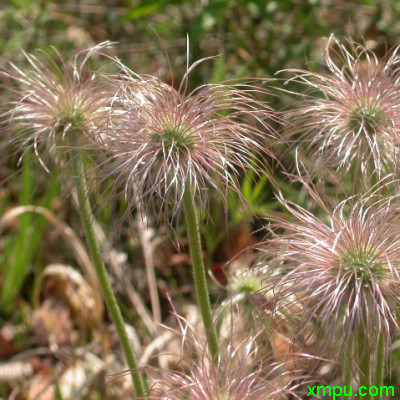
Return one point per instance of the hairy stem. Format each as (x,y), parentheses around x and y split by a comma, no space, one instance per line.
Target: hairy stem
(364,360)
(347,372)
(111,301)
(199,274)
(380,365)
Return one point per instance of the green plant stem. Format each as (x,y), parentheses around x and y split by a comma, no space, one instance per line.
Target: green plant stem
(347,372)
(111,301)
(380,365)
(199,274)
(364,359)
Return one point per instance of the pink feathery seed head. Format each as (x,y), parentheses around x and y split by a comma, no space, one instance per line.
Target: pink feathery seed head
(345,272)
(354,123)
(161,140)
(56,101)
(239,374)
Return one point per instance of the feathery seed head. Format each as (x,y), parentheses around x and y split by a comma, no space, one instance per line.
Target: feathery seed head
(246,280)
(245,283)
(346,274)
(161,139)
(239,374)
(355,122)
(55,99)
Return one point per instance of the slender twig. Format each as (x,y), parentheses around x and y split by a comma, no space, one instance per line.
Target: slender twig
(147,248)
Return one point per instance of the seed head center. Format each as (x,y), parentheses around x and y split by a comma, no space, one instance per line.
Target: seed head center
(362,266)
(71,113)
(246,283)
(179,137)
(368,116)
